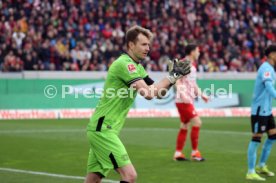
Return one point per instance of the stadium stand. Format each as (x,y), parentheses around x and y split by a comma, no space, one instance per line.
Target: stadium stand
(87,35)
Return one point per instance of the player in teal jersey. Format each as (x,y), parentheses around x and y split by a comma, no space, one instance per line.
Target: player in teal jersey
(262,120)
(126,77)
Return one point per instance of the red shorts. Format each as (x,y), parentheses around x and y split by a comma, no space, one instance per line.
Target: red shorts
(186,112)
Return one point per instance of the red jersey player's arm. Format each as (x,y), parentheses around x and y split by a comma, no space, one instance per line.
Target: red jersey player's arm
(197,90)
(199,93)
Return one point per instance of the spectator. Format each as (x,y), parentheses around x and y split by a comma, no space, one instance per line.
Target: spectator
(18,38)
(86,35)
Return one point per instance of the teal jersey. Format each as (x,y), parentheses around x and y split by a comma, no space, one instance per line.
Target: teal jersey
(264,91)
(117,97)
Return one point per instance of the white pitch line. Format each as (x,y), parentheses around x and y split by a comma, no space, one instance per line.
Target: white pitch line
(124,130)
(41,131)
(174,130)
(51,174)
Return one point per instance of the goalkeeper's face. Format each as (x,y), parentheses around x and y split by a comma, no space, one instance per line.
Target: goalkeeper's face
(141,47)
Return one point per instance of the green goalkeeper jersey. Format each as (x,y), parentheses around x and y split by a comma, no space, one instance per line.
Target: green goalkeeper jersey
(117,97)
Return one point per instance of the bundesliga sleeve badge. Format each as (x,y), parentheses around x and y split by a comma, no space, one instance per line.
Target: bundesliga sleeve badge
(267,74)
(131,68)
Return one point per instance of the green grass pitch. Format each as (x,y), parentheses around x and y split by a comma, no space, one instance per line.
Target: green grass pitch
(61,147)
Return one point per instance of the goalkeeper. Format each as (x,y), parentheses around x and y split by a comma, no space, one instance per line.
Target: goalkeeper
(126,77)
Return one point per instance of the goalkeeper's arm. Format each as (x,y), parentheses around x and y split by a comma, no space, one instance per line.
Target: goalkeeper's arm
(177,70)
(155,90)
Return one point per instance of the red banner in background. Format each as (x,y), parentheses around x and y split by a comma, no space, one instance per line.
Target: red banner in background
(133,113)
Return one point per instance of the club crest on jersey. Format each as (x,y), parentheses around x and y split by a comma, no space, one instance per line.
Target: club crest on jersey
(267,74)
(263,128)
(131,68)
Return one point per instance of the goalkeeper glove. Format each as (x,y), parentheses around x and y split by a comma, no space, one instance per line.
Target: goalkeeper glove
(178,69)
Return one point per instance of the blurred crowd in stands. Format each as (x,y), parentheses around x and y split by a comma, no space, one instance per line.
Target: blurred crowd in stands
(87,35)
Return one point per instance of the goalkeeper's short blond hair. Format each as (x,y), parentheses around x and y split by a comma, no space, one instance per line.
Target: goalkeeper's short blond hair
(133,32)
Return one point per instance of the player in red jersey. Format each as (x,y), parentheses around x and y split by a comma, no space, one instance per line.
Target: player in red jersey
(186,91)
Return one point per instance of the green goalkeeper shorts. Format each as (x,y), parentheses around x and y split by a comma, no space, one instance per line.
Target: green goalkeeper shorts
(107,152)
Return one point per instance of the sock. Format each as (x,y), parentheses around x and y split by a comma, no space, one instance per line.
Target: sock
(194,137)
(252,155)
(266,151)
(181,139)
(123,181)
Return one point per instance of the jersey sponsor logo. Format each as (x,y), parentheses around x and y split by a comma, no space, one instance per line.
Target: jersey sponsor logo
(131,68)
(267,74)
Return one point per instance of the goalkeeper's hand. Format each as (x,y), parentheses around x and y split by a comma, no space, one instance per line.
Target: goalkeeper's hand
(178,69)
